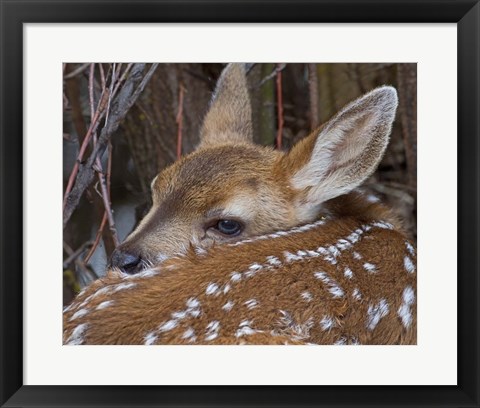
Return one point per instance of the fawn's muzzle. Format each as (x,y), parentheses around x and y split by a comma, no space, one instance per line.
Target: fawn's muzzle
(126,262)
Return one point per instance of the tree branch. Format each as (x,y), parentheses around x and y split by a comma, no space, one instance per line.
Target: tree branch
(128,94)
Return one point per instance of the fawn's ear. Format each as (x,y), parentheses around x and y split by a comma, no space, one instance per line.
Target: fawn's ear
(229,118)
(344,152)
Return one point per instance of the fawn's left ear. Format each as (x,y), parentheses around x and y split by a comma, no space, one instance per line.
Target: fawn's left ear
(229,118)
(346,150)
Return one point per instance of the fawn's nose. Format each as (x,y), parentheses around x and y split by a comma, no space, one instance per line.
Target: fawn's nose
(125,261)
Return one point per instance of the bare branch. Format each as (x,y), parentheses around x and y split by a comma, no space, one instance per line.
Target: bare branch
(313,93)
(279,68)
(127,95)
(77,71)
(179,120)
(279,106)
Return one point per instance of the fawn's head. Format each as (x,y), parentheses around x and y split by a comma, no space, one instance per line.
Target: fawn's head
(230,189)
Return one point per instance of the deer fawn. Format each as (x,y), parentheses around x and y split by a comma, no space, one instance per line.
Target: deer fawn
(248,245)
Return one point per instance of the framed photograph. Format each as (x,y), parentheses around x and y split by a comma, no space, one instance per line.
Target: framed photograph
(244,187)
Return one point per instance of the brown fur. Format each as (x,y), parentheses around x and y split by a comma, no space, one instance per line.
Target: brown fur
(281,310)
(308,291)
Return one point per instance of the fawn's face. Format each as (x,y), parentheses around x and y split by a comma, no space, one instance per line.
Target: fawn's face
(217,194)
(231,189)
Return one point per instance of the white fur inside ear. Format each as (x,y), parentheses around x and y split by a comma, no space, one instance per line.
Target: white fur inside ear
(349,147)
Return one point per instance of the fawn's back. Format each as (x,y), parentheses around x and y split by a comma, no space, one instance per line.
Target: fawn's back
(330,282)
(260,246)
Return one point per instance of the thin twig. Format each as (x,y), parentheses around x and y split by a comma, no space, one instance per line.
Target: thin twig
(279,108)
(179,121)
(97,238)
(108,207)
(98,165)
(73,255)
(91,130)
(77,71)
(102,76)
(105,217)
(278,69)
(313,93)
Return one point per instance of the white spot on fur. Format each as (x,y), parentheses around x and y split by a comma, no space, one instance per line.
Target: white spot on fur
(343,244)
(410,248)
(353,237)
(101,291)
(212,330)
(356,294)
(245,329)
(167,326)
(150,339)
(342,341)
(148,273)
(253,269)
(251,303)
(334,251)
(375,313)
(297,330)
(226,288)
(404,311)
(409,266)
(212,288)
(68,308)
(124,286)
(348,273)
(193,303)
(189,334)
(279,234)
(273,260)
(327,323)
(228,306)
(79,313)
(331,285)
(180,315)
(326,255)
(307,296)
(77,336)
(357,256)
(370,267)
(236,277)
(289,257)
(105,304)
(193,307)
(382,224)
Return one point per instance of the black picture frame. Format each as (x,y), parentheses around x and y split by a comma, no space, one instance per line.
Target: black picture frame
(14,13)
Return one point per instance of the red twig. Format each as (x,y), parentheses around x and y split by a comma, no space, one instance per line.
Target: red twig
(97,238)
(279,109)
(105,216)
(91,130)
(313,93)
(179,121)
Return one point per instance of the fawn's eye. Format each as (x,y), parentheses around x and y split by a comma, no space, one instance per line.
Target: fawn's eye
(228,227)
